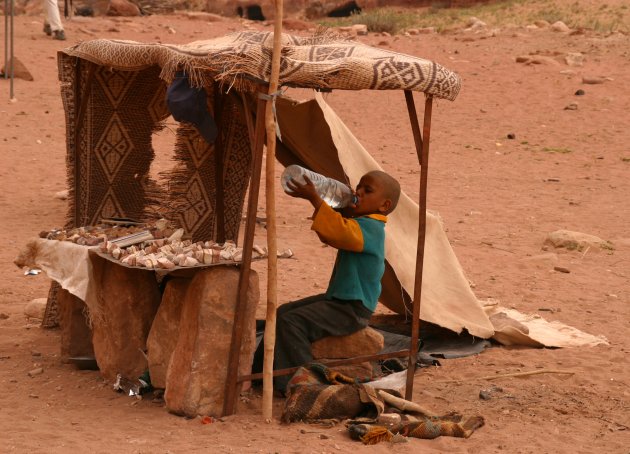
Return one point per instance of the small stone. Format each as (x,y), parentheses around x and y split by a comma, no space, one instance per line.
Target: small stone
(511,136)
(594,80)
(560,26)
(561,269)
(35,353)
(580,92)
(571,106)
(541,23)
(36,308)
(58,388)
(484,395)
(33,396)
(413,31)
(360,29)
(19,71)
(3,316)
(62,195)
(544,60)
(324,437)
(574,59)
(36,371)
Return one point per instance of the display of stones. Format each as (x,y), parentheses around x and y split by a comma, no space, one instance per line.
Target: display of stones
(168,253)
(109,230)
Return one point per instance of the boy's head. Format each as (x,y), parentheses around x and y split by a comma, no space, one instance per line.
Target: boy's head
(378,193)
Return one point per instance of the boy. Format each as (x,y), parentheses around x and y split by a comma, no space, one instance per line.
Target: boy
(355,284)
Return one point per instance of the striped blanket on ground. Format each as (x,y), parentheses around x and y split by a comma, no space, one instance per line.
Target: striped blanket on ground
(318,394)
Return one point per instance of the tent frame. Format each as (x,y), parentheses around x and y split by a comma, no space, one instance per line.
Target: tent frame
(421,141)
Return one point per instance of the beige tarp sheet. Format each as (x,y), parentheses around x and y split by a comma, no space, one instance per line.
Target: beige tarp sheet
(314,135)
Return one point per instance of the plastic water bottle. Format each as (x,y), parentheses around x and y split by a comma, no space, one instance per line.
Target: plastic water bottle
(333,192)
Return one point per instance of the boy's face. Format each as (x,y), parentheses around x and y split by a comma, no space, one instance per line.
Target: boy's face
(371,194)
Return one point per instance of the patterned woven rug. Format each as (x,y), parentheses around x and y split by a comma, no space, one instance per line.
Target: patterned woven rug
(243,60)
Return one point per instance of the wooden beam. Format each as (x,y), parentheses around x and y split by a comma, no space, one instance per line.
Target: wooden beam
(330,363)
(231,383)
(422,149)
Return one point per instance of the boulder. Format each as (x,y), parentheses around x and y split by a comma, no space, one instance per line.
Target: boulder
(575,240)
(129,299)
(36,308)
(76,334)
(122,8)
(165,330)
(197,372)
(364,342)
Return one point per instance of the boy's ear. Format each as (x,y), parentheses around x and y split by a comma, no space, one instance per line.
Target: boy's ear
(385,206)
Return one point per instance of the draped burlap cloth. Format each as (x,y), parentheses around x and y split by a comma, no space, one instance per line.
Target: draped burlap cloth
(313,135)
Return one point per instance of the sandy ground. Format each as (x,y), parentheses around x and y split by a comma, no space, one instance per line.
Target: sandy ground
(498,199)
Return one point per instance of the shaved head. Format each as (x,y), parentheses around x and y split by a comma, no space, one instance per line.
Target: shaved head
(391,187)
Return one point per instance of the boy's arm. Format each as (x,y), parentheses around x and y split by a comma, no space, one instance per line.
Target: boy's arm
(331,227)
(337,231)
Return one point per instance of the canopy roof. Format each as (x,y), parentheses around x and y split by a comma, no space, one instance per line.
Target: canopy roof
(243,59)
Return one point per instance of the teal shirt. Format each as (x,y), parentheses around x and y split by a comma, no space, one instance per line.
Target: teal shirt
(360,260)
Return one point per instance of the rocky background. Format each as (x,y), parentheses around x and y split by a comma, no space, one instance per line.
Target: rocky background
(249,9)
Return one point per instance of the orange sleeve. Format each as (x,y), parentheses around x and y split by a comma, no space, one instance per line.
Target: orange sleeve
(337,231)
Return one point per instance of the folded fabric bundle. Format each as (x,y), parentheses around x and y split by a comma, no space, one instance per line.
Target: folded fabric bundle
(317,393)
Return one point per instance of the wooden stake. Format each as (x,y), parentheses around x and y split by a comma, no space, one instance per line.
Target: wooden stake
(272,260)
(422,149)
(404,405)
(229,400)
(514,375)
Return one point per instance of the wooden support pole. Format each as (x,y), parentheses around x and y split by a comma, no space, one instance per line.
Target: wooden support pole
(422,149)
(229,400)
(219,166)
(272,259)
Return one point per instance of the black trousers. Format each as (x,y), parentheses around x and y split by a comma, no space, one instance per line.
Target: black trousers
(302,322)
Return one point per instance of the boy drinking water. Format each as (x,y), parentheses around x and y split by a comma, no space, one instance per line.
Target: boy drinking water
(355,284)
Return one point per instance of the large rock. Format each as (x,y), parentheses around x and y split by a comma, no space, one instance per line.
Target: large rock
(575,240)
(364,342)
(165,330)
(76,334)
(129,299)
(196,377)
(122,8)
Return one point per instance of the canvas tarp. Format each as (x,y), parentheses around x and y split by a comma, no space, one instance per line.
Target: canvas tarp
(312,134)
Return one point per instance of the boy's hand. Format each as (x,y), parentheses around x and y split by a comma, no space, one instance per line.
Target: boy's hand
(305,191)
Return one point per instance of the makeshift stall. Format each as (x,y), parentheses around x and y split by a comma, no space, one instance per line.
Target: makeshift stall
(114,98)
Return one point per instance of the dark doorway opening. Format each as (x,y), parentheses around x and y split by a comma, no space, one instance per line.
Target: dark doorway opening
(345,10)
(251,12)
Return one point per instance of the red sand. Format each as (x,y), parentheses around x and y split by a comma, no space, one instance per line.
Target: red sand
(498,199)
